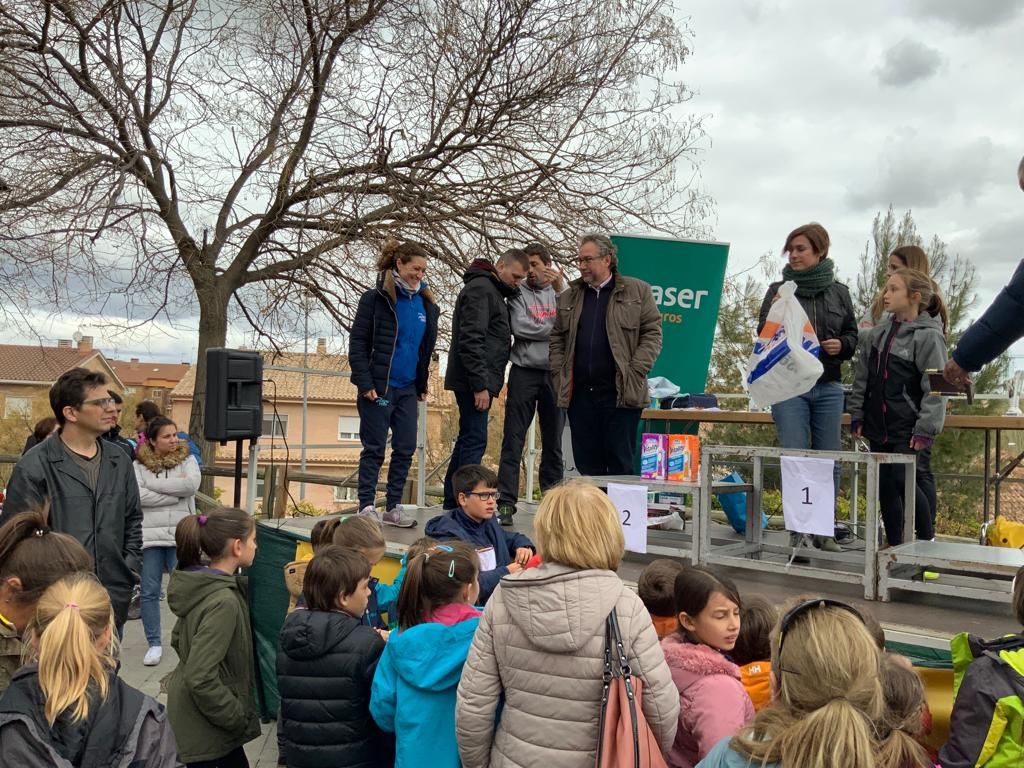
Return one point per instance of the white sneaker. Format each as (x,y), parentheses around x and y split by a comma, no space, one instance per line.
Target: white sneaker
(370,512)
(153,656)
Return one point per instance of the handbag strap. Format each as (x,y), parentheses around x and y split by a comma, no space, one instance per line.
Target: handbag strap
(606,678)
(627,676)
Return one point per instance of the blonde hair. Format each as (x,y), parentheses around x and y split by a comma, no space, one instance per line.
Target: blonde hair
(900,729)
(916,281)
(577,525)
(359,532)
(828,695)
(913,257)
(70,620)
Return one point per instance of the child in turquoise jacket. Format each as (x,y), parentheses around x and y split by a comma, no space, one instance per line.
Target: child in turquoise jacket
(416,680)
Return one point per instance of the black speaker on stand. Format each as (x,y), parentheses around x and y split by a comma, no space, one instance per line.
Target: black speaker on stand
(234,402)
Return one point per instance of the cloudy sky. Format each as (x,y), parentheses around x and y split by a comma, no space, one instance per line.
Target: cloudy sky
(832,111)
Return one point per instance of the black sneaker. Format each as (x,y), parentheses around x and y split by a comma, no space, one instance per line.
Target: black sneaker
(505,512)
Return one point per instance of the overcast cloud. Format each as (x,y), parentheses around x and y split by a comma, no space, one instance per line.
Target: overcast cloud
(832,111)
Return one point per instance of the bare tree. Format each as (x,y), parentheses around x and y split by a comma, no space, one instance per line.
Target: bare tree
(171,157)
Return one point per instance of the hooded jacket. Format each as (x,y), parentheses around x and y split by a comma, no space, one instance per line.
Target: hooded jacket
(712,701)
(107,522)
(831,314)
(11,649)
(538,658)
(532,314)
(986,727)
(456,524)
(633,325)
(414,691)
(167,490)
(211,697)
(325,668)
(374,337)
(723,756)
(1000,326)
(481,333)
(125,730)
(890,396)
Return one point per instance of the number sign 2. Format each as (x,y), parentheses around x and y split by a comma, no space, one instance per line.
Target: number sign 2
(631,503)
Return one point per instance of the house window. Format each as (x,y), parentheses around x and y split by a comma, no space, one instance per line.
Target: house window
(348,427)
(345,494)
(17,406)
(275,425)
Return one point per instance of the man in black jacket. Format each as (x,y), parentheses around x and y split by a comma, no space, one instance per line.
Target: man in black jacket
(481,344)
(90,484)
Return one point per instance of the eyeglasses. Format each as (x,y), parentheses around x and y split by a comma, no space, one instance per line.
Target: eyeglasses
(797,611)
(102,402)
(485,496)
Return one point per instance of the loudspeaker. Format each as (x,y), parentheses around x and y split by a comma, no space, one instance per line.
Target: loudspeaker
(234,395)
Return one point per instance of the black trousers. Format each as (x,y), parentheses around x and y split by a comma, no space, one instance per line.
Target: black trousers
(399,415)
(603,436)
(890,494)
(529,392)
(234,759)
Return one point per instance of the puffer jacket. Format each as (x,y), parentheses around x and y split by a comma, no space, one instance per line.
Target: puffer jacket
(633,324)
(375,334)
(831,314)
(167,490)
(325,667)
(891,391)
(481,332)
(540,648)
(713,703)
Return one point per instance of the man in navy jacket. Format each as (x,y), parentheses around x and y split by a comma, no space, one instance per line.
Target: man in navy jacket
(501,552)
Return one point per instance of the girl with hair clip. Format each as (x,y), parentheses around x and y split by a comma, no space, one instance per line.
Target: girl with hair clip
(826,700)
(168,477)
(68,707)
(414,688)
(32,557)
(210,695)
(712,700)
(891,403)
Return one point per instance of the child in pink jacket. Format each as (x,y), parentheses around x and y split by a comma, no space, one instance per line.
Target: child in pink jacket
(713,703)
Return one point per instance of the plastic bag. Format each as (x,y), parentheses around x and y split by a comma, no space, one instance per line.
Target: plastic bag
(784,363)
(660,387)
(735,505)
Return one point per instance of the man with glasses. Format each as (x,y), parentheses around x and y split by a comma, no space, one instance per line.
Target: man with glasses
(89,484)
(481,343)
(606,339)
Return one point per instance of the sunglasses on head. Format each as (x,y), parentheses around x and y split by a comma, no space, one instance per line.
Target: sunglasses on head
(803,608)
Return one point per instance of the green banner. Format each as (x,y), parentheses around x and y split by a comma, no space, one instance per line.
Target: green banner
(686,277)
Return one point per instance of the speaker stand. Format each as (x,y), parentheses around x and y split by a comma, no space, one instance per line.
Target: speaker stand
(238,474)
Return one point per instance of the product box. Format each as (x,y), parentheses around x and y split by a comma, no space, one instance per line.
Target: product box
(683,458)
(653,452)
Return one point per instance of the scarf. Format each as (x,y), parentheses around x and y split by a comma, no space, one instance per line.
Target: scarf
(407,289)
(813,281)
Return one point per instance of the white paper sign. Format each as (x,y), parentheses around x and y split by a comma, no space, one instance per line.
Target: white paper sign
(808,495)
(631,502)
(488,561)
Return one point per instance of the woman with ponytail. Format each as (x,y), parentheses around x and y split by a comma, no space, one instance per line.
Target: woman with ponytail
(827,696)
(415,684)
(32,557)
(210,696)
(390,348)
(68,707)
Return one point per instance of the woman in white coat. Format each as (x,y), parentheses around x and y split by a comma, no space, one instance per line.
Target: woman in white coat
(168,478)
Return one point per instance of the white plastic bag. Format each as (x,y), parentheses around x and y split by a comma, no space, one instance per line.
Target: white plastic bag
(659,387)
(784,362)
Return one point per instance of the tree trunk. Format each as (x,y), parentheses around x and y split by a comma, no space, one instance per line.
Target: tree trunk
(213,332)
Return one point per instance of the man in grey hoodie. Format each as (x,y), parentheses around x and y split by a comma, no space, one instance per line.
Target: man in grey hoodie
(532,314)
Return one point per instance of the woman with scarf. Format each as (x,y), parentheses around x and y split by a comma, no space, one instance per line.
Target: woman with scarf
(814,419)
(168,476)
(390,347)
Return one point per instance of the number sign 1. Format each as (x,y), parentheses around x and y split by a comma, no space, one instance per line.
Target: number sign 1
(631,502)
(808,495)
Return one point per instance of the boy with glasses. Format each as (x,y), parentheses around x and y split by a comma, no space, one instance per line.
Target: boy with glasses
(501,552)
(91,489)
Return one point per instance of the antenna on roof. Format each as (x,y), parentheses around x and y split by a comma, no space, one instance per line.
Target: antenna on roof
(77,336)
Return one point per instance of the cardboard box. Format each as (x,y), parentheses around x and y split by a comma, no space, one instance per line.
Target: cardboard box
(653,454)
(683,458)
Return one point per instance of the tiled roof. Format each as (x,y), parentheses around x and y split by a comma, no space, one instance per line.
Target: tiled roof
(137,373)
(287,385)
(22,362)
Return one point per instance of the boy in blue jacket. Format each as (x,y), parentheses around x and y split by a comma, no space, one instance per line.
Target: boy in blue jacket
(501,552)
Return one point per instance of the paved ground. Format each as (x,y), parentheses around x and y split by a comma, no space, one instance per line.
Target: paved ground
(262,752)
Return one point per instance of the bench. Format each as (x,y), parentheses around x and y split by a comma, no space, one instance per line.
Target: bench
(965,570)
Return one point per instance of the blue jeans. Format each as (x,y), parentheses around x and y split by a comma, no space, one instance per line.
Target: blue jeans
(155,561)
(812,421)
(400,416)
(469,445)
